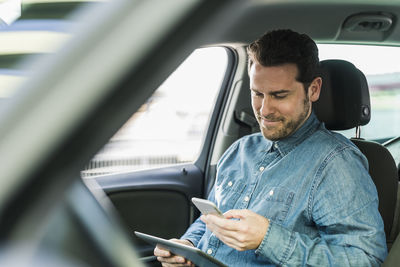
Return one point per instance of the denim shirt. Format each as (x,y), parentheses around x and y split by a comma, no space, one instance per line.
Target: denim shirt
(315,189)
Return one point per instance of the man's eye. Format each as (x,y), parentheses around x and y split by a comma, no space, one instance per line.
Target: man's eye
(258,94)
(280,96)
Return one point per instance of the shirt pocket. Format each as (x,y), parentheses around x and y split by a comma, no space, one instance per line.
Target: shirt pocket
(227,192)
(275,203)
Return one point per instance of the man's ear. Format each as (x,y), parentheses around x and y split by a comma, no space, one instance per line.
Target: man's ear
(315,89)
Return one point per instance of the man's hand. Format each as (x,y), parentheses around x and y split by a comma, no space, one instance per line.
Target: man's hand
(168,259)
(243,234)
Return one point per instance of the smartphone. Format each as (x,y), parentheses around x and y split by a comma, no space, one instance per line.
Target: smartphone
(206,206)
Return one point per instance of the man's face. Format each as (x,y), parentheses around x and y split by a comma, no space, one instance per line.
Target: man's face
(279,101)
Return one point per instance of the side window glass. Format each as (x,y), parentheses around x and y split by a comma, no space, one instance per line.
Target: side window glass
(169,128)
(381,68)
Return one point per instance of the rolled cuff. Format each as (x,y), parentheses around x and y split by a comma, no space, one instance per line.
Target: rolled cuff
(277,244)
(194,239)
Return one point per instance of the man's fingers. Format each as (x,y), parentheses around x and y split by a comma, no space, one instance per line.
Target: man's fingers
(172,259)
(233,229)
(240,229)
(160,252)
(237,214)
(218,231)
(230,241)
(235,238)
(224,227)
(168,259)
(177,265)
(165,264)
(230,225)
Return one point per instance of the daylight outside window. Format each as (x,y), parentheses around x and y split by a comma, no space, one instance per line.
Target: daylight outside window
(380,64)
(169,128)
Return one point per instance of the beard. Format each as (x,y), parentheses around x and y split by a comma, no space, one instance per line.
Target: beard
(287,126)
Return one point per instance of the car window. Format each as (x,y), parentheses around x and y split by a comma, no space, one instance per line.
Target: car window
(380,64)
(169,128)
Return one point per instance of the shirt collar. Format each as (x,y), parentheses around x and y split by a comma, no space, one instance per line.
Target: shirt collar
(287,144)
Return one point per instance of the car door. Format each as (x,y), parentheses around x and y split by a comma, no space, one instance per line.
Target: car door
(165,153)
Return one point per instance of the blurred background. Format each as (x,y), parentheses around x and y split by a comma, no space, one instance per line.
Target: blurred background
(170,126)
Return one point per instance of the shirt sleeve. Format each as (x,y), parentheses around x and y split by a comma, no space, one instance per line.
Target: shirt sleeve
(343,204)
(196,231)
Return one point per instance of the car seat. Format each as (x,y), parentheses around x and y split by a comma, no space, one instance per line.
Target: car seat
(344,103)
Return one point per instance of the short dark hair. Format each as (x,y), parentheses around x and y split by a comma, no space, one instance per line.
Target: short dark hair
(280,47)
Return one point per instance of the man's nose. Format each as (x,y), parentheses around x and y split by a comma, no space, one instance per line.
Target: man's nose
(267,107)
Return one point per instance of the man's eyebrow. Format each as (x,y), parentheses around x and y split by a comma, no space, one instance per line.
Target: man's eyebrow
(283,91)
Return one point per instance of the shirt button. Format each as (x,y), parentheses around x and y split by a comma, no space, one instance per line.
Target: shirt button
(276,145)
(261,169)
(230,183)
(246,198)
(271,192)
(209,251)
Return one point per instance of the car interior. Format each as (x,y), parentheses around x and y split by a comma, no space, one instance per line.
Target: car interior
(344,103)
(120,52)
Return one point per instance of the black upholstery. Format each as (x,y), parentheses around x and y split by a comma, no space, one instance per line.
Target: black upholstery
(382,168)
(344,100)
(344,104)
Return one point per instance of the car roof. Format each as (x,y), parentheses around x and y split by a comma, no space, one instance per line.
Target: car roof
(324,21)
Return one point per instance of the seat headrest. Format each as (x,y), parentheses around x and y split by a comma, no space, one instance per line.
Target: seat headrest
(344,100)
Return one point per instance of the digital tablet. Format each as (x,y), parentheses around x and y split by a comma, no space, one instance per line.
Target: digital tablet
(195,255)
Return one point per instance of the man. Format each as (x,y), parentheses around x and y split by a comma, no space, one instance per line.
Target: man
(295,194)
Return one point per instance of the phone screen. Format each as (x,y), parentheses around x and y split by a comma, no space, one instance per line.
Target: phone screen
(206,206)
